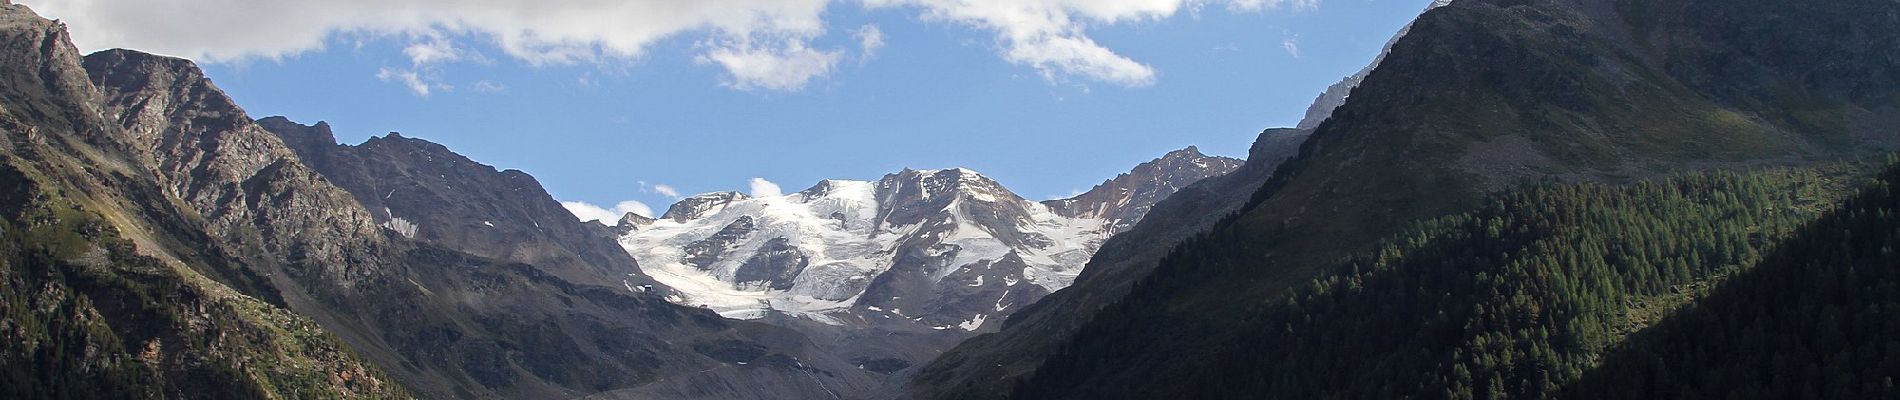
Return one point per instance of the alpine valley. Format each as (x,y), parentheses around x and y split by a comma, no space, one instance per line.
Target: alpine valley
(1517,199)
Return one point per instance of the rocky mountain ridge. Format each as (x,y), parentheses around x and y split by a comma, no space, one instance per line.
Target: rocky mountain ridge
(428,193)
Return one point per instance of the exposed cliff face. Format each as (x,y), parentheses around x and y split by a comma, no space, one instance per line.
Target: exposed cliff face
(255,194)
(437,196)
(700,205)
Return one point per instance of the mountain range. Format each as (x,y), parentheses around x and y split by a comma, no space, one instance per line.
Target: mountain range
(1517,199)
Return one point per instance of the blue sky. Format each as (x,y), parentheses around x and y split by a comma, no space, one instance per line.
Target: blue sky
(948,86)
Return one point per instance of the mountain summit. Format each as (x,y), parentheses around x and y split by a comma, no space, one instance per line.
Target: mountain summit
(1122,201)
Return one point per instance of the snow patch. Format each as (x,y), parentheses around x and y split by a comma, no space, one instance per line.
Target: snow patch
(973,323)
(401,226)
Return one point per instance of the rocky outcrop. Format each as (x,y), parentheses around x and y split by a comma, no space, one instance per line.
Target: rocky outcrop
(700,205)
(776,265)
(631,222)
(252,190)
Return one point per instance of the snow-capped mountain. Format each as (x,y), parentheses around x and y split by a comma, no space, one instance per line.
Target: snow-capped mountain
(943,249)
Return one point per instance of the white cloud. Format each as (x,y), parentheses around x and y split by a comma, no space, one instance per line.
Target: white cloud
(1291,43)
(870,40)
(410,78)
(666,190)
(1051,35)
(761,44)
(589,212)
(765,188)
(1048,35)
(433,48)
(784,66)
(1257,5)
(485,86)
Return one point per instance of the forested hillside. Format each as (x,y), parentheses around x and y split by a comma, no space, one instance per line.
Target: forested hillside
(1509,301)
(1816,319)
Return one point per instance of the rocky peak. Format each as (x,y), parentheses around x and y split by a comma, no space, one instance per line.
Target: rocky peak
(632,222)
(311,143)
(701,205)
(43,75)
(204,150)
(941,183)
(913,196)
(1122,201)
(824,188)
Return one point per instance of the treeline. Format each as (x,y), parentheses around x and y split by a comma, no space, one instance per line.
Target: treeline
(1512,300)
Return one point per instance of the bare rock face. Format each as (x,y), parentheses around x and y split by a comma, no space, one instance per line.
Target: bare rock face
(700,205)
(631,222)
(776,265)
(205,151)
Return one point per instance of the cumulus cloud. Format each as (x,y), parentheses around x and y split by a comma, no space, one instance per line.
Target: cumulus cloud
(761,44)
(784,66)
(589,212)
(765,188)
(1051,35)
(1048,35)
